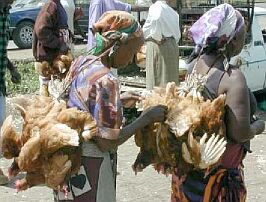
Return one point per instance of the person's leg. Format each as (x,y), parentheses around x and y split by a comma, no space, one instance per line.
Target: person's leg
(44,82)
(2,109)
(94,181)
(168,70)
(151,58)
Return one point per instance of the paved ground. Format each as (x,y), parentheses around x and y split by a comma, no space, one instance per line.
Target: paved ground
(14,53)
(147,186)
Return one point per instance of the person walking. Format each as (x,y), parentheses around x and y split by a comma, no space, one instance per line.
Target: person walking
(162,34)
(50,38)
(5,64)
(219,35)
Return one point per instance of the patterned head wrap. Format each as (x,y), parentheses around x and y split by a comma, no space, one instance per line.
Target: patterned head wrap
(117,29)
(221,21)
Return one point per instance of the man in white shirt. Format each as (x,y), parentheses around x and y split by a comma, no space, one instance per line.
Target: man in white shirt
(162,34)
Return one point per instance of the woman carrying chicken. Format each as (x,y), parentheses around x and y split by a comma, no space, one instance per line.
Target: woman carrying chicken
(95,89)
(219,35)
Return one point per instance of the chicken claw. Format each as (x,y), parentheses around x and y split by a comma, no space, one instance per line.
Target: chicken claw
(138,168)
(20,185)
(203,154)
(65,189)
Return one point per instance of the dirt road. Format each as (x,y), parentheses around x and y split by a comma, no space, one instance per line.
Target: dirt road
(149,186)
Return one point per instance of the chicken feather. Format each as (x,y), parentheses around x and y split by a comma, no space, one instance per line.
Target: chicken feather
(51,141)
(10,143)
(55,137)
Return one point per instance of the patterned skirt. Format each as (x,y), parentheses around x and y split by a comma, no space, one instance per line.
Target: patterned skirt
(95,181)
(222,185)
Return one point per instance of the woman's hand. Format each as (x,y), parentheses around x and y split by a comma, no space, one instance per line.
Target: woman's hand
(64,48)
(78,14)
(151,115)
(154,114)
(259,125)
(129,99)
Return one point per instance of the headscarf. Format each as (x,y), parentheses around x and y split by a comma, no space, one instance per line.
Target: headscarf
(220,21)
(117,28)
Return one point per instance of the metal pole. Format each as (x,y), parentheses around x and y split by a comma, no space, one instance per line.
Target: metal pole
(139,16)
(179,11)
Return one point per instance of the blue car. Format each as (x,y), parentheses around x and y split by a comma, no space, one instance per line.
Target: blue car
(23,15)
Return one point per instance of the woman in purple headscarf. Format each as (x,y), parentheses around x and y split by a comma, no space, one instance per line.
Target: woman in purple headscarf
(219,35)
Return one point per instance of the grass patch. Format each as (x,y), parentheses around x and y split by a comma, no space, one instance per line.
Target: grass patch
(29,79)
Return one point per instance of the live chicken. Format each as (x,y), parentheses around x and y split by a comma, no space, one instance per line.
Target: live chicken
(192,135)
(58,68)
(10,142)
(48,148)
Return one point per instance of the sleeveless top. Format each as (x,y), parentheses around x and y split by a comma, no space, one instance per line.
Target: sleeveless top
(234,152)
(212,85)
(223,183)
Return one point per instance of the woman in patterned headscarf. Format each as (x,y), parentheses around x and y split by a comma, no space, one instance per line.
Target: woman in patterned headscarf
(219,35)
(95,89)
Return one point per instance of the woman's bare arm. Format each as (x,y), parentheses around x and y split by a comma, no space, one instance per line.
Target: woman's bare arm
(151,115)
(237,116)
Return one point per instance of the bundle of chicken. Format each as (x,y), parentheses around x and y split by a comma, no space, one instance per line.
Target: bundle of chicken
(192,137)
(58,68)
(49,146)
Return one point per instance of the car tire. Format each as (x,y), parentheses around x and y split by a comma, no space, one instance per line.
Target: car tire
(22,35)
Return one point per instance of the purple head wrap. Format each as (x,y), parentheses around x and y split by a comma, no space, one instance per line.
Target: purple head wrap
(222,20)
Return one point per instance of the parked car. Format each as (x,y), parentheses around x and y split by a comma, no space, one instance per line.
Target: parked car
(23,15)
(252,59)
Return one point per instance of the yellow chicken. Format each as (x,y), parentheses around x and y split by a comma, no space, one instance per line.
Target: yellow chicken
(59,67)
(10,141)
(49,146)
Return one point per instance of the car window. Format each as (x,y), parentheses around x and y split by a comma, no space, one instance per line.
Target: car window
(262,23)
(82,1)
